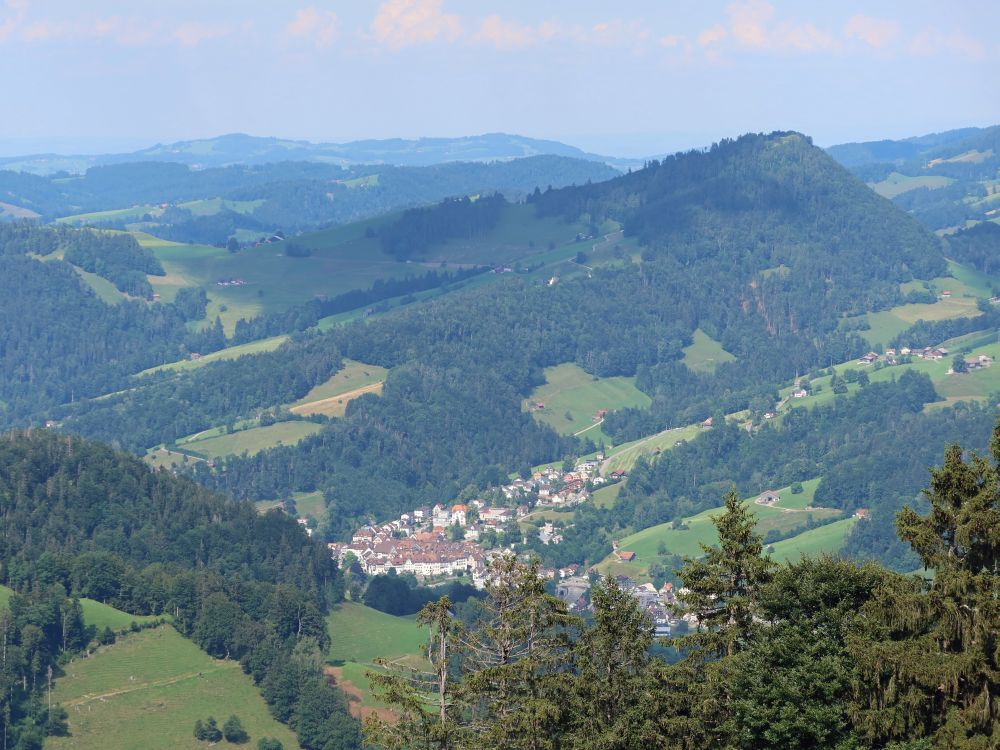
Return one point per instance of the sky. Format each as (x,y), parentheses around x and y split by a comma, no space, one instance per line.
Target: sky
(627,78)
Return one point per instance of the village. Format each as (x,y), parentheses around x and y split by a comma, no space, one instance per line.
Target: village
(459,540)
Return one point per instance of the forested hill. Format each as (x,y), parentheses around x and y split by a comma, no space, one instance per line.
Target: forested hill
(62,340)
(169,199)
(764,243)
(81,520)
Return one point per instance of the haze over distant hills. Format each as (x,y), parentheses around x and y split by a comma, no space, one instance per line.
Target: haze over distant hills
(949,180)
(239,148)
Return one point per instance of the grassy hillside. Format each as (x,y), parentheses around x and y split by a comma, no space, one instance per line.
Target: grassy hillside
(358,636)
(829,538)
(569,390)
(786,515)
(252,440)
(362,634)
(973,386)
(146,691)
(705,353)
(232,352)
(102,615)
(897,184)
(350,257)
(331,398)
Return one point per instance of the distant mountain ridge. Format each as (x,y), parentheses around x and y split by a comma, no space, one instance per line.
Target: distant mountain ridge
(886,150)
(947,180)
(240,148)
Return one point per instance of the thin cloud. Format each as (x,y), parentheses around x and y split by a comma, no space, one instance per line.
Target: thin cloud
(711,36)
(503,34)
(12,17)
(935,42)
(875,32)
(402,23)
(747,22)
(751,27)
(321,26)
(193,33)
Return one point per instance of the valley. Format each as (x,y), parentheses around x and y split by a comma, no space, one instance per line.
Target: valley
(573,385)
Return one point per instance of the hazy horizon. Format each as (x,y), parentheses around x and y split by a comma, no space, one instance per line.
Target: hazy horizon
(629,81)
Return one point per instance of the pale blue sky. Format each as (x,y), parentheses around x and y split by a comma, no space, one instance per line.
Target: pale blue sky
(630,78)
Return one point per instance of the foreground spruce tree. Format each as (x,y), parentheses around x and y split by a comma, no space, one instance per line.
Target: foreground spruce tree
(722,586)
(929,662)
(613,705)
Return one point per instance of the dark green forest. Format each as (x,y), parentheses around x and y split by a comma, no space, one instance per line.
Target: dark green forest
(61,343)
(81,520)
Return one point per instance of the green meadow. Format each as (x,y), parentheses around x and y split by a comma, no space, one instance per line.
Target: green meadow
(686,542)
(133,213)
(571,399)
(146,691)
(232,352)
(897,184)
(102,615)
(332,396)
(251,441)
(624,456)
(705,353)
(818,541)
(360,635)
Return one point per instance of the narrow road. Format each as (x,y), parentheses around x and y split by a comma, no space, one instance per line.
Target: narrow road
(145,685)
(596,424)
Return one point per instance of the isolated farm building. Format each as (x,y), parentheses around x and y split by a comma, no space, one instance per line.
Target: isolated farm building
(626,556)
(767,498)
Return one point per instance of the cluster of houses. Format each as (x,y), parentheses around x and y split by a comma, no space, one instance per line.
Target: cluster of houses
(423,541)
(554,487)
(426,554)
(445,540)
(230,282)
(933,353)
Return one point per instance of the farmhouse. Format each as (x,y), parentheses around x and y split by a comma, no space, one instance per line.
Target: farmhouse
(767,498)
(626,556)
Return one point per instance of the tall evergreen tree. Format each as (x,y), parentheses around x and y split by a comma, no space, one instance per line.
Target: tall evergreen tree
(723,586)
(612,705)
(421,721)
(930,664)
(514,662)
